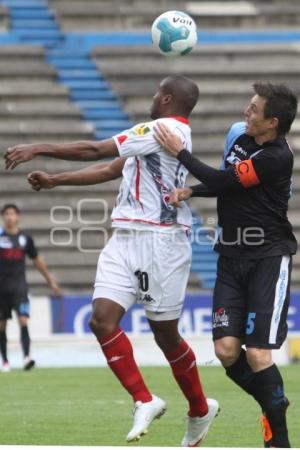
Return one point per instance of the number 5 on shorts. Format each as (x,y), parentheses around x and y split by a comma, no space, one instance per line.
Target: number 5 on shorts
(250,323)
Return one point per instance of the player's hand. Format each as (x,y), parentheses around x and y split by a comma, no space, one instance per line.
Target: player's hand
(56,289)
(167,139)
(179,195)
(40,180)
(19,154)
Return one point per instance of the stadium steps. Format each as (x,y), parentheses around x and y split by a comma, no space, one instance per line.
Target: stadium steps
(4,22)
(32,104)
(89,90)
(204,259)
(33,22)
(94,15)
(77,73)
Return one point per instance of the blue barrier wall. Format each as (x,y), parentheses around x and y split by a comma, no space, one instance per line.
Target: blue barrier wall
(71,315)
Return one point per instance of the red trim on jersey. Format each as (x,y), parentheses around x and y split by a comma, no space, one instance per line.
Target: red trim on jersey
(137,182)
(137,179)
(149,222)
(180,119)
(122,138)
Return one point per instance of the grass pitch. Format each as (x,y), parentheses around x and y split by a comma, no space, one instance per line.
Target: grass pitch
(89,407)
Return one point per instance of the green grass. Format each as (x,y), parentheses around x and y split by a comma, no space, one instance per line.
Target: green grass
(89,407)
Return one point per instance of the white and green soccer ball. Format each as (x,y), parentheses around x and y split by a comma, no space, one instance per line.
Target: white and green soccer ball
(174,33)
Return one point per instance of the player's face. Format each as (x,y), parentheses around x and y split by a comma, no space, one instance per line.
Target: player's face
(10,218)
(256,123)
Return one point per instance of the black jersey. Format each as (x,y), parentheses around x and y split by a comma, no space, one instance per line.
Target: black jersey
(253,189)
(13,250)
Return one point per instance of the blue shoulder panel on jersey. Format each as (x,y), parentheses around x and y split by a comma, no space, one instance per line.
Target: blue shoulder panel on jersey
(235,131)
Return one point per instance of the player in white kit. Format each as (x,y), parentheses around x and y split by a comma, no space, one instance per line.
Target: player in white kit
(148,258)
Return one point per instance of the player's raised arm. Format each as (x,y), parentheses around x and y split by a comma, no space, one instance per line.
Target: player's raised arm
(98,173)
(74,151)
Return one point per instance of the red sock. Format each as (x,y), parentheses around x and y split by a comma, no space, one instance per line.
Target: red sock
(119,354)
(184,367)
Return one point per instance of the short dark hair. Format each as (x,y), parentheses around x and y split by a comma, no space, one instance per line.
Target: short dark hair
(184,91)
(281,102)
(10,206)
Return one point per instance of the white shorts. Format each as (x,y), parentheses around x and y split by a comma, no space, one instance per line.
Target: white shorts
(145,267)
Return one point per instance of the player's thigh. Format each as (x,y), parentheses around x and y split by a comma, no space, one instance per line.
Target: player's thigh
(114,280)
(229,301)
(3,324)
(165,262)
(268,302)
(6,306)
(22,306)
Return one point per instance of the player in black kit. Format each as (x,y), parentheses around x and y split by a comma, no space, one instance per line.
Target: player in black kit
(15,245)
(256,244)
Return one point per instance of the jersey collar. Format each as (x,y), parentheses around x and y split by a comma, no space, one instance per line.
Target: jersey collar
(180,119)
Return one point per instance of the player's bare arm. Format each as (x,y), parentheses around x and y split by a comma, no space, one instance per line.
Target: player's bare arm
(43,269)
(74,151)
(97,173)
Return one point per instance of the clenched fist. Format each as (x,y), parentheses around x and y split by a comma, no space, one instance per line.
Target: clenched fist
(40,180)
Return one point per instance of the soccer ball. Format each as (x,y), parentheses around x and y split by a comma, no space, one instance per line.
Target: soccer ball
(174,33)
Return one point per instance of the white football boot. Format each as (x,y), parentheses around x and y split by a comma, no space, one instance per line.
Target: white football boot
(143,416)
(197,427)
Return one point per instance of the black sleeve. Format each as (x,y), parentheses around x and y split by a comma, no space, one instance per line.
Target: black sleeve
(31,249)
(216,180)
(271,163)
(201,190)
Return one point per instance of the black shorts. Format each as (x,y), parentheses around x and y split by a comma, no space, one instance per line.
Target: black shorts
(16,301)
(251,300)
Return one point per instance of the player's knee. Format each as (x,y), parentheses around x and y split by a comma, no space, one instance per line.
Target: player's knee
(225,352)
(259,358)
(167,342)
(100,326)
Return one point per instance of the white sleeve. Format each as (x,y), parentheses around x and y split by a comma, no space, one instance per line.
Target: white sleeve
(137,141)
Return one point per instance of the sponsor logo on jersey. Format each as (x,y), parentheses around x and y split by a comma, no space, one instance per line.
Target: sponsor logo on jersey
(22,241)
(220,318)
(233,158)
(141,130)
(239,149)
(5,242)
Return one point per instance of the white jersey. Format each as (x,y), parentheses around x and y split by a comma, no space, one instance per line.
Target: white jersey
(149,176)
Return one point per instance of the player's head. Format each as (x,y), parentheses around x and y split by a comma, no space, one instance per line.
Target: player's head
(177,95)
(272,110)
(11,215)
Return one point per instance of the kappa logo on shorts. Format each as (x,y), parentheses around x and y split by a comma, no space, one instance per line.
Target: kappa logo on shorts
(220,318)
(146,299)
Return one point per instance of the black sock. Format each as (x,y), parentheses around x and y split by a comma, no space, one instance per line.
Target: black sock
(241,373)
(266,387)
(25,340)
(268,390)
(3,345)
